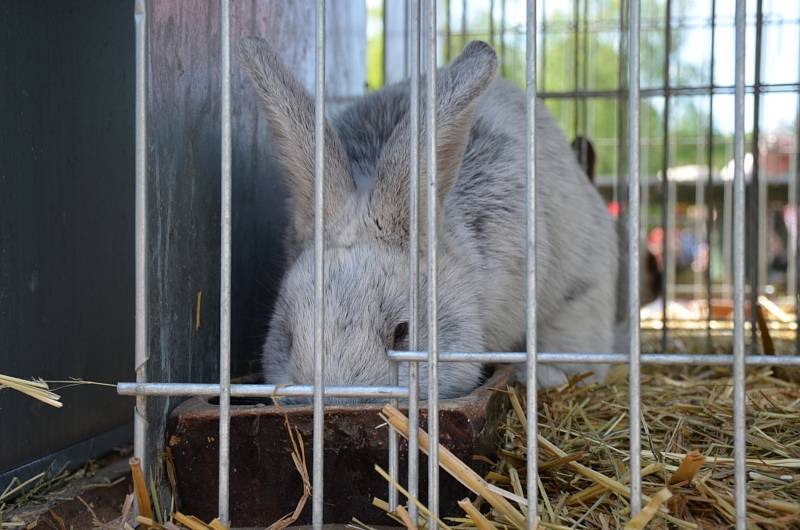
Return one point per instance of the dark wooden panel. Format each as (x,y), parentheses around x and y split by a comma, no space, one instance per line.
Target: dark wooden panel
(184,177)
(66,198)
(66,219)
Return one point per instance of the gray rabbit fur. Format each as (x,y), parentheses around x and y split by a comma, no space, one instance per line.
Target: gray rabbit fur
(481,230)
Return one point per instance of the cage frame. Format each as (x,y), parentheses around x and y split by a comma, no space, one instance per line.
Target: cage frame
(423,52)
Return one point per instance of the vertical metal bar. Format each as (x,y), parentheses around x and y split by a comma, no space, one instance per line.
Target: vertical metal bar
(791,199)
(433,325)
(644,187)
(739,369)
(140,340)
(394,449)
(413,265)
(503,38)
(727,234)
(385,47)
(544,46)
(406,43)
(796,204)
(585,71)
(464,32)
(448,27)
(761,250)
(225,265)
(385,39)
(698,279)
(710,184)
(530,336)
(665,250)
(491,22)
(622,79)
(575,63)
(753,228)
(634,394)
(671,263)
(394,452)
(319,271)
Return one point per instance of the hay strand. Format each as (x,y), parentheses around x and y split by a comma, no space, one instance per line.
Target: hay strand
(36,388)
(189,521)
(688,469)
(422,508)
(140,490)
(299,460)
(478,519)
(649,511)
(458,469)
(405,518)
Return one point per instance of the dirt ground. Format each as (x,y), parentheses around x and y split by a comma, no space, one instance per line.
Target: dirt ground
(76,503)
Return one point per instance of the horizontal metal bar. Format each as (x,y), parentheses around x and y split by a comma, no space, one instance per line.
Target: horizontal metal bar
(598,358)
(212,389)
(242,390)
(698,90)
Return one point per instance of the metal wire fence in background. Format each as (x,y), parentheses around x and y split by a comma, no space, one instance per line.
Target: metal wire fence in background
(423,44)
(687,135)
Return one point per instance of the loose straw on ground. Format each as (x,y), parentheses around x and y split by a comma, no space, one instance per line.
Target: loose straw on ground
(649,511)
(688,469)
(687,447)
(140,490)
(403,514)
(480,520)
(460,471)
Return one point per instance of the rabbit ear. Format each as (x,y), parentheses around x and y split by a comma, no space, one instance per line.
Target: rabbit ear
(458,88)
(290,112)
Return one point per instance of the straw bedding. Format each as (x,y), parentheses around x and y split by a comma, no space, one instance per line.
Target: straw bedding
(687,451)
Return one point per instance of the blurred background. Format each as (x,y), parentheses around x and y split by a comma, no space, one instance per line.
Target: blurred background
(687,65)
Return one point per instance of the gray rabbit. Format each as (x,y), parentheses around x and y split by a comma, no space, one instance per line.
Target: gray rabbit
(481,230)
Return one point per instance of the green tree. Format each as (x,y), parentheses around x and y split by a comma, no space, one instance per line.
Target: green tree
(596,67)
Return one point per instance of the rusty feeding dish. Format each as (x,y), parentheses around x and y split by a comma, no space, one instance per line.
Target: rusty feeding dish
(266,485)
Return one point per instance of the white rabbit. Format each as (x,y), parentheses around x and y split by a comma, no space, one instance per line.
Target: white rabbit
(482,253)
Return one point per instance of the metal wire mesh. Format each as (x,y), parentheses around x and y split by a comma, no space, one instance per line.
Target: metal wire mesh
(422,48)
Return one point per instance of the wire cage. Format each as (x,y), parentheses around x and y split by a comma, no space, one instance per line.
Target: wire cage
(647,112)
